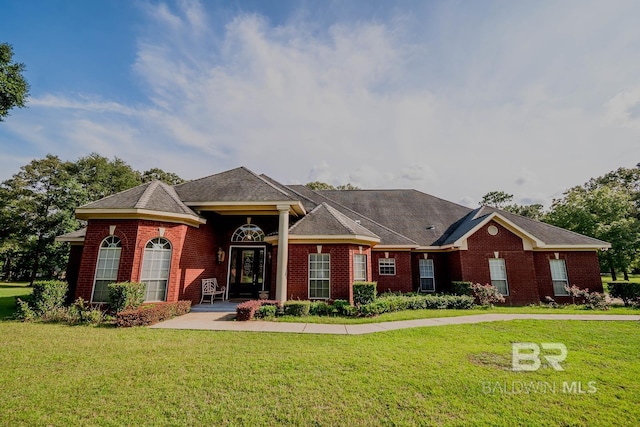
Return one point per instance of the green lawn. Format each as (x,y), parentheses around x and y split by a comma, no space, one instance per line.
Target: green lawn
(449,375)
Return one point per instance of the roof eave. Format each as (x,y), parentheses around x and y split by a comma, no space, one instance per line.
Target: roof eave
(133,213)
(326,238)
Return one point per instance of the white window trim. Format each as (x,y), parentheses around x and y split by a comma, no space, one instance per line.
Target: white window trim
(95,273)
(309,278)
(565,280)
(433,276)
(155,278)
(366,273)
(506,280)
(391,264)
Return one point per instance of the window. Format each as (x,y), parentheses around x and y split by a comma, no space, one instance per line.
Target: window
(155,269)
(319,276)
(559,277)
(387,266)
(498,273)
(106,268)
(427,277)
(359,267)
(248,233)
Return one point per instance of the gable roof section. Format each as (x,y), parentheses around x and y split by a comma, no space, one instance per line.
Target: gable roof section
(537,234)
(73,236)
(418,216)
(324,223)
(154,199)
(228,191)
(388,237)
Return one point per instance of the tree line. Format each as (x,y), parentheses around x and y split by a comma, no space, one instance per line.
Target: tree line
(38,203)
(606,208)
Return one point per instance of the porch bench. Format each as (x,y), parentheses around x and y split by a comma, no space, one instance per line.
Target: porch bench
(211,288)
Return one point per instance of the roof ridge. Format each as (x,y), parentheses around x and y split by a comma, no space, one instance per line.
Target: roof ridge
(171,192)
(146,196)
(364,216)
(337,215)
(267,181)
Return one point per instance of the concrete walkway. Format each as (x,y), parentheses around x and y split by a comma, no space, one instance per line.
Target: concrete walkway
(218,321)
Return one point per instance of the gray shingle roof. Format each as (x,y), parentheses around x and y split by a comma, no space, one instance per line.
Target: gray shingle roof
(386,234)
(153,196)
(72,236)
(235,185)
(327,221)
(416,215)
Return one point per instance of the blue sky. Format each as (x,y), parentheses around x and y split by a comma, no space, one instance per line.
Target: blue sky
(452,98)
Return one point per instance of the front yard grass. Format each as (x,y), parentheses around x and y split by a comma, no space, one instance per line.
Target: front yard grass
(8,293)
(450,375)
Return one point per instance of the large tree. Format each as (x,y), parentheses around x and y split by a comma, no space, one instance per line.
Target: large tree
(502,200)
(39,201)
(14,88)
(318,185)
(606,212)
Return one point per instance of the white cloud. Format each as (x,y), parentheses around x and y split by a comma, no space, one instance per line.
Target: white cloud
(527,100)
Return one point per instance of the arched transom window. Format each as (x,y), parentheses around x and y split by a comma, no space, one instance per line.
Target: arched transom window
(106,268)
(156,265)
(248,233)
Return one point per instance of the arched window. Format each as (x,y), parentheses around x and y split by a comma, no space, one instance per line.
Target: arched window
(156,263)
(106,268)
(248,233)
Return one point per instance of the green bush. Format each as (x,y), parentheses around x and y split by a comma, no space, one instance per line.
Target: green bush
(321,308)
(150,314)
(364,292)
(24,311)
(126,295)
(374,308)
(626,291)
(48,295)
(344,308)
(297,308)
(266,312)
(461,288)
(81,312)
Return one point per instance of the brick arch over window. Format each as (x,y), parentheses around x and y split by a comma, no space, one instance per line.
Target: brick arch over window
(156,264)
(248,233)
(106,268)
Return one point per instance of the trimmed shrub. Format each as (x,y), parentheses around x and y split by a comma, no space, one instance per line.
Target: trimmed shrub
(595,301)
(343,307)
(626,291)
(266,312)
(374,308)
(321,308)
(247,310)
(486,295)
(461,288)
(126,295)
(146,315)
(297,308)
(49,295)
(364,292)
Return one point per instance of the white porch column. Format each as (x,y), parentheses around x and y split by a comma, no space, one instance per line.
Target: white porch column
(283,253)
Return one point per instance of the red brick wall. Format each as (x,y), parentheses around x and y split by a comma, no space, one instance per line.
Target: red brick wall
(403,279)
(583,270)
(523,288)
(341,270)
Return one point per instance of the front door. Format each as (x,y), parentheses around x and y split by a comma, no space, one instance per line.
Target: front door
(246,272)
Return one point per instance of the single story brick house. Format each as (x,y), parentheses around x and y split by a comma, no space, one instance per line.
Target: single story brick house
(252,233)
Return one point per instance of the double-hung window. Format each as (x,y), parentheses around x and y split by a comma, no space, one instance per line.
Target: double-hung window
(498,273)
(360,267)
(559,277)
(427,276)
(156,264)
(106,268)
(319,276)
